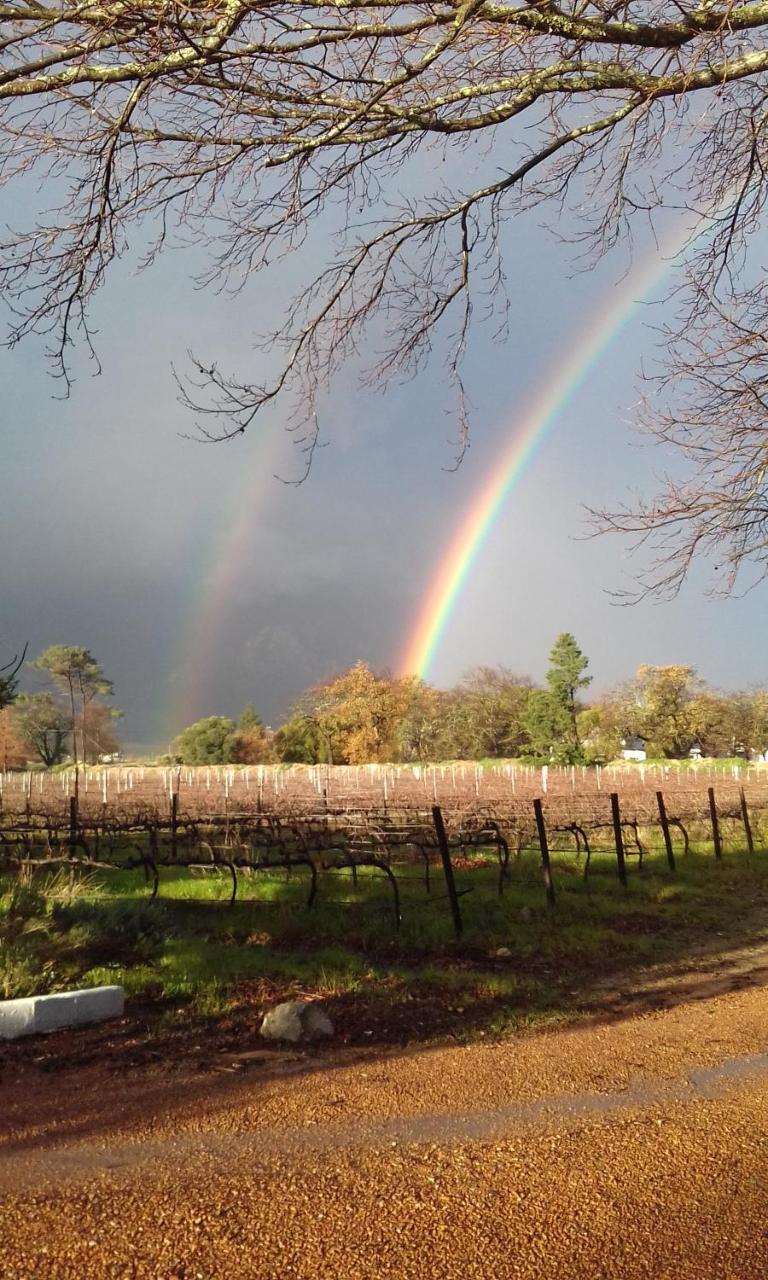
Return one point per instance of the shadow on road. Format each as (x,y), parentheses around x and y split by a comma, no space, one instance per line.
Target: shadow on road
(92,1084)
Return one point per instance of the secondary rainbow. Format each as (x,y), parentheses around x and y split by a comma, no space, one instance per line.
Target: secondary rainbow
(529,431)
(214,587)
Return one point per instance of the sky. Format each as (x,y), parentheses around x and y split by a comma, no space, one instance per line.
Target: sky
(201,582)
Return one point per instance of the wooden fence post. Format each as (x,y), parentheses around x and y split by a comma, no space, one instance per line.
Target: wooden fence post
(715,824)
(745,819)
(73,824)
(450,883)
(541,827)
(665,829)
(618,836)
(174,821)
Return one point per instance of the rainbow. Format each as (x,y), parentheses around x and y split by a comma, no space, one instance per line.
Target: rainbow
(529,431)
(214,587)
(215,582)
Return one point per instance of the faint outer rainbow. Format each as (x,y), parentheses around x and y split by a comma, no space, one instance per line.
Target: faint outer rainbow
(529,430)
(215,583)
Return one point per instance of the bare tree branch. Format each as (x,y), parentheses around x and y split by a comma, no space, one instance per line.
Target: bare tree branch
(243,127)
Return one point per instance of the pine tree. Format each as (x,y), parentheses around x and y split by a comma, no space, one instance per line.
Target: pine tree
(76,672)
(250,719)
(565,677)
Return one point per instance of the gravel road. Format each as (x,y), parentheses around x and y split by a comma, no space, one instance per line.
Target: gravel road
(637,1148)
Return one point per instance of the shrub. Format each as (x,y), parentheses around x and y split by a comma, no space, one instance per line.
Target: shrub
(25,969)
(23,972)
(20,904)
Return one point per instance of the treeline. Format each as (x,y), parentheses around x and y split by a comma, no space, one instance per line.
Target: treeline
(362,717)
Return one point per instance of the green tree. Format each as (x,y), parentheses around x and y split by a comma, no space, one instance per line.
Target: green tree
(600,735)
(250,720)
(565,677)
(76,672)
(209,741)
(484,715)
(43,726)
(548,729)
(299,741)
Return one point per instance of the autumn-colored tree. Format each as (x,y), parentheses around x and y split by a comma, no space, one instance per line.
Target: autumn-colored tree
(756,735)
(253,745)
(13,749)
(672,710)
(98,733)
(657,707)
(732,723)
(357,715)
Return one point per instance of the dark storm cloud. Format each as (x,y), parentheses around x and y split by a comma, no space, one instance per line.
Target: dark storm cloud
(112,524)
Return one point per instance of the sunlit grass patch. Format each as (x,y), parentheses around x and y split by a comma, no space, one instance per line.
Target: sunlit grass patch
(518,962)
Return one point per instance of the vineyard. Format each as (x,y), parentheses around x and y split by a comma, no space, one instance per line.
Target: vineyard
(301,789)
(417,901)
(388,818)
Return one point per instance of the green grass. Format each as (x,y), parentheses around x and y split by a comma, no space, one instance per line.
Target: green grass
(194,954)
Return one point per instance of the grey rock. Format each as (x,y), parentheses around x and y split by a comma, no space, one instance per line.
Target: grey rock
(297,1021)
(502,952)
(525,913)
(316,1022)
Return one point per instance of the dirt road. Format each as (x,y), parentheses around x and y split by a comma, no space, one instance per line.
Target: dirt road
(636,1148)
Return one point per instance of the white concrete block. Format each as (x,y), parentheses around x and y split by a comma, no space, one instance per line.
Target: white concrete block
(36,1014)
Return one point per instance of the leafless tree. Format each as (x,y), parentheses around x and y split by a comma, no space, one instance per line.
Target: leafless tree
(709,411)
(243,126)
(8,673)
